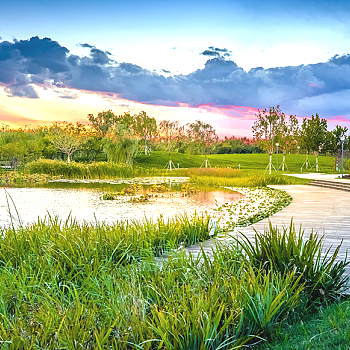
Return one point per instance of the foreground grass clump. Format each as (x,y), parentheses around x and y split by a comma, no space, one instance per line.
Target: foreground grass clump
(79,287)
(70,244)
(96,170)
(288,250)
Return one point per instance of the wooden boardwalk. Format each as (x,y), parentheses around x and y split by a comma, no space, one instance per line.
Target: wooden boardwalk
(323,210)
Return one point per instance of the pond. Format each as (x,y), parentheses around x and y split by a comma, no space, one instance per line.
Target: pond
(82,200)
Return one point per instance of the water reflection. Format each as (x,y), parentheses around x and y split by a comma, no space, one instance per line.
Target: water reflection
(86,204)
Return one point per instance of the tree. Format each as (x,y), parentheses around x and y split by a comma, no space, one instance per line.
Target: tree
(313,135)
(288,136)
(120,145)
(170,133)
(267,129)
(203,135)
(145,128)
(19,146)
(120,134)
(66,144)
(104,122)
(236,145)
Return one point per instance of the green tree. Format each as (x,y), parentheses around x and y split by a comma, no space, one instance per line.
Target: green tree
(267,129)
(145,128)
(333,140)
(169,134)
(120,145)
(203,135)
(104,122)
(313,136)
(288,136)
(19,147)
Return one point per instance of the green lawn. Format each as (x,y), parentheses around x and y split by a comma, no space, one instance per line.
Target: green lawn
(245,161)
(326,330)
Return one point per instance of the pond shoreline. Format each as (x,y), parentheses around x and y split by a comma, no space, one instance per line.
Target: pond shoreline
(76,200)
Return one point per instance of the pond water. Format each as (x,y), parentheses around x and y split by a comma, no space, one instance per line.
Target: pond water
(82,201)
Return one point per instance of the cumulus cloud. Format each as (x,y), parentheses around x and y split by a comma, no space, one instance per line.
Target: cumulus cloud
(303,90)
(216,52)
(86,45)
(98,56)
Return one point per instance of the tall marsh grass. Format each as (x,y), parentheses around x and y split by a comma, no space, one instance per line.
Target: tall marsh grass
(96,170)
(213,172)
(68,244)
(245,180)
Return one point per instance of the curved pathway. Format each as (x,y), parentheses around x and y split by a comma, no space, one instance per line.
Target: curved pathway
(323,210)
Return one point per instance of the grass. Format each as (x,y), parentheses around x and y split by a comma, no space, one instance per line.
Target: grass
(294,162)
(288,250)
(201,176)
(252,166)
(246,180)
(326,329)
(99,287)
(97,170)
(124,240)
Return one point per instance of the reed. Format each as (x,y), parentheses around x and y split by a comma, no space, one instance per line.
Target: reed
(96,170)
(246,180)
(226,172)
(121,242)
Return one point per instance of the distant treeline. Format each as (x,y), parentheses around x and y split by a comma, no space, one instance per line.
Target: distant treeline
(120,138)
(234,145)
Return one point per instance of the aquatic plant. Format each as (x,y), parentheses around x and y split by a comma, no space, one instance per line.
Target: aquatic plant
(109,196)
(188,190)
(131,190)
(143,198)
(257,204)
(13,178)
(159,189)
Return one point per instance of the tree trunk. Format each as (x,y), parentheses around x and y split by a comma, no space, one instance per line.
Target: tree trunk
(270,164)
(316,162)
(284,161)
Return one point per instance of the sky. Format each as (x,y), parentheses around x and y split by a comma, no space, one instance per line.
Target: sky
(216,61)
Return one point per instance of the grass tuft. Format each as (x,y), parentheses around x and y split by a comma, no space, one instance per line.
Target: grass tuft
(287,250)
